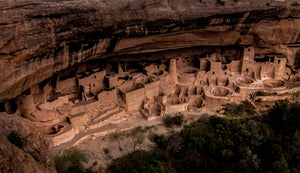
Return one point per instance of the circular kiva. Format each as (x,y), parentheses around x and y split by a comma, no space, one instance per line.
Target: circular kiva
(244,81)
(274,83)
(220,91)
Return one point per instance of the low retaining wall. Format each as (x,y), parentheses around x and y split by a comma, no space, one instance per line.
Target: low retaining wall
(63,136)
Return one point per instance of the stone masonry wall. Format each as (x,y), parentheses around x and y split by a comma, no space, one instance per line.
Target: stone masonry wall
(135,99)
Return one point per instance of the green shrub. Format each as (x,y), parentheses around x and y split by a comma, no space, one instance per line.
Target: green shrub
(217,145)
(169,121)
(70,161)
(15,138)
(234,109)
(76,169)
(160,141)
(285,117)
(247,107)
(252,135)
(178,119)
(139,129)
(138,161)
(280,165)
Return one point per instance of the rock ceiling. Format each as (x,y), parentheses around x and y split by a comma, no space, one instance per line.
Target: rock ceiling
(38,38)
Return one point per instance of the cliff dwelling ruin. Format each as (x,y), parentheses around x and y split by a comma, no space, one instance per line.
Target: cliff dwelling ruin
(72,71)
(88,96)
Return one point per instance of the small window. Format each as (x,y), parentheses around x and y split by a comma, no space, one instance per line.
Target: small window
(247,70)
(278,61)
(95,77)
(213,72)
(225,73)
(93,85)
(248,49)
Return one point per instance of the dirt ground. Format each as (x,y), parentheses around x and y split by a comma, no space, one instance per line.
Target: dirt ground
(101,151)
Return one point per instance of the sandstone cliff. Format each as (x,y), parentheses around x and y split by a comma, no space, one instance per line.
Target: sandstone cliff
(32,156)
(41,37)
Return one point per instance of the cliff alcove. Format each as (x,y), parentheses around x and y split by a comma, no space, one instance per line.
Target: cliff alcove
(74,67)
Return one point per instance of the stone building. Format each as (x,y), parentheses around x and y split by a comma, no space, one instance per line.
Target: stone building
(92,98)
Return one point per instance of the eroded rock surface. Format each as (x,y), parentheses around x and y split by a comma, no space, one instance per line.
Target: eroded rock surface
(32,155)
(40,38)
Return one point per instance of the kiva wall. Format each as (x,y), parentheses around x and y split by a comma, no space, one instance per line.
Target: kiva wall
(169,109)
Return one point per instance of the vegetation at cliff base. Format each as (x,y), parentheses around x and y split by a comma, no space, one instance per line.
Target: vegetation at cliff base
(234,109)
(142,162)
(71,161)
(169,121)
(269,143)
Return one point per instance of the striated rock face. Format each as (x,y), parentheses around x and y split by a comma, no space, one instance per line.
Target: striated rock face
(32,156)
(41,37)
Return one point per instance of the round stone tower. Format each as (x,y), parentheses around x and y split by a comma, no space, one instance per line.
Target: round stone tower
(172,66)
(26,105)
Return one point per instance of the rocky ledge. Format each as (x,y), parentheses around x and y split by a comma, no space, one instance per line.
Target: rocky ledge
(23,148)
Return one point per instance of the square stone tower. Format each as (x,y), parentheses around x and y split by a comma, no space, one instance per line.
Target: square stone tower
(247,60)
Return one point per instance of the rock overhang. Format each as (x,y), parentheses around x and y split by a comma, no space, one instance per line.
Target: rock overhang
(40,38)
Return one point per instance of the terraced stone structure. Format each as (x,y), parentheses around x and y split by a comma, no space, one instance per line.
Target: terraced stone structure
(113,90)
